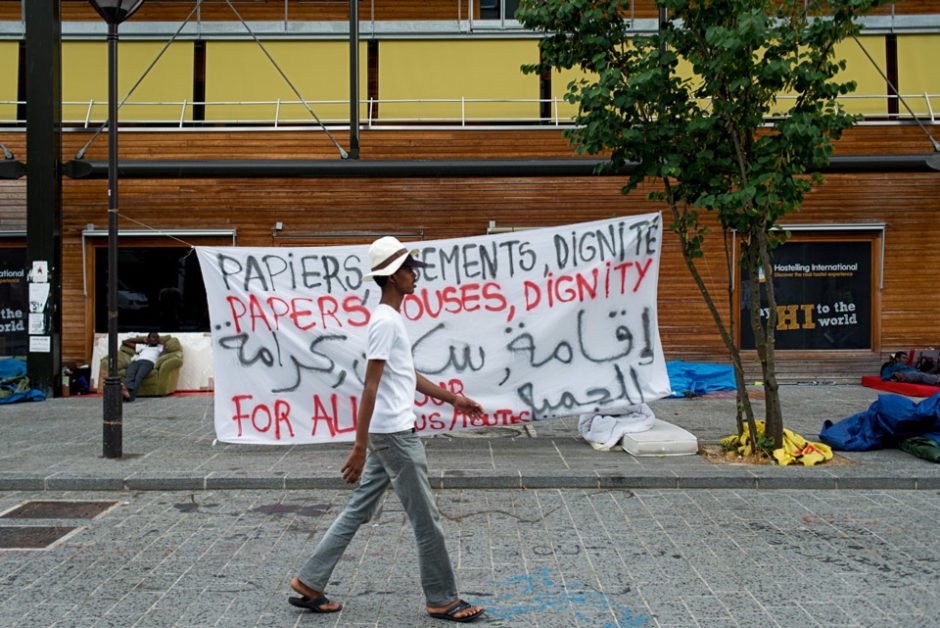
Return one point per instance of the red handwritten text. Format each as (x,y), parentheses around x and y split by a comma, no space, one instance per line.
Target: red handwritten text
(432,420)
(262,417)
(331,415)
(469,297)
(583,287)
(301,312)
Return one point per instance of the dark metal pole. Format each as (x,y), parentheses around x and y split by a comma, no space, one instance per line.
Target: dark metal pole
(113,411)
(661,26)
(44,188)
(353,79)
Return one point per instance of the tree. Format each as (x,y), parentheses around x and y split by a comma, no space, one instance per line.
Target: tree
(697,106)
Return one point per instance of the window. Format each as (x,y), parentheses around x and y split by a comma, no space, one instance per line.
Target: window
(492,9)
(159,289)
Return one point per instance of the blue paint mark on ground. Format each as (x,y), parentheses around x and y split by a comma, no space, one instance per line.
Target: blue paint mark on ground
(527,594)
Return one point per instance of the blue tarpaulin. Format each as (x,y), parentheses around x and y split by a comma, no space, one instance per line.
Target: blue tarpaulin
(692,379)
(12,368)
(888,421)
(14,385)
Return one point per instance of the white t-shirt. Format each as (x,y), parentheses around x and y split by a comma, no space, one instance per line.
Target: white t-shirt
(146,352)
(394,401)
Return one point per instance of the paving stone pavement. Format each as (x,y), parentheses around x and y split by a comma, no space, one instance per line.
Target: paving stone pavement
(169,445)
(537,558)
(543,530)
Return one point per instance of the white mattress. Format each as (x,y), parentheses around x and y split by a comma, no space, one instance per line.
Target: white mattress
(663,439)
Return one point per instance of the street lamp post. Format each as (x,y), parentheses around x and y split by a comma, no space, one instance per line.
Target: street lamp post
(114,12)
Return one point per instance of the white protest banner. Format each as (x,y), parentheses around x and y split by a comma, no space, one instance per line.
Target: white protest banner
(532,324)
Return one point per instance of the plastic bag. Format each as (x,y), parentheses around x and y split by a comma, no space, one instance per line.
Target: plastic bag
(795,450)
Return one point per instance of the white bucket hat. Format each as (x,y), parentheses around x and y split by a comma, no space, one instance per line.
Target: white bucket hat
(386,255)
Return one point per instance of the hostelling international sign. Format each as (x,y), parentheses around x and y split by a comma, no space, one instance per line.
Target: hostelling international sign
(532,324)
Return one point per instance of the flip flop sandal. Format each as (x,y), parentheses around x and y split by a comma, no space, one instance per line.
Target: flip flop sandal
(312,605)
(450,614)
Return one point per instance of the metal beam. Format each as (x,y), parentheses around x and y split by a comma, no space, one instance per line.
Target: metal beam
(353,79)
(331,168)
(12,169)
(920,162)
(430,168)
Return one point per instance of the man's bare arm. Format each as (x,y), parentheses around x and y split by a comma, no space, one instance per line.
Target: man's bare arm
(356,460)
(463,404)
(133,342)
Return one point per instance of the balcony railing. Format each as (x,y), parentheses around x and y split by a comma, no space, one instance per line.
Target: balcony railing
(454,112)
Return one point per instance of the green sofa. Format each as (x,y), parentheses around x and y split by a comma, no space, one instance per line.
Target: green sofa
(162,380)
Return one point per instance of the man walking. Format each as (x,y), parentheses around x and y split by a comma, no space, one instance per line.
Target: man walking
(146,352)
(387,449)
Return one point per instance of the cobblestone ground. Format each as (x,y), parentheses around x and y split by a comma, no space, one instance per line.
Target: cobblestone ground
(542,558)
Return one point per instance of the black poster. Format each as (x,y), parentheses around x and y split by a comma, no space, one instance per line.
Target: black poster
(823,292)
(13,302)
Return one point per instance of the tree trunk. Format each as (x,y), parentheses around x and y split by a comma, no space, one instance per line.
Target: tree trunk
(758,261)
(743,402)
(774,421)
(739,382)
(749,253)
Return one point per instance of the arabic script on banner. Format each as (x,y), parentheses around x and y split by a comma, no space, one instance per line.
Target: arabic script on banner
(532,324)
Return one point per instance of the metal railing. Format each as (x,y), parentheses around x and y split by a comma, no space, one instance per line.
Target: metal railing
(456,18)
(433,111)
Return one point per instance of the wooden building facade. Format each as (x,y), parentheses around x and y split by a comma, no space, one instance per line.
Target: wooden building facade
(889,217)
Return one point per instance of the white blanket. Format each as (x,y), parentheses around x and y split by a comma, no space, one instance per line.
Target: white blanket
(604,431)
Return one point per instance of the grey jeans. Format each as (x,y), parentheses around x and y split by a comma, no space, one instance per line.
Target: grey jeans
(136,372)
(398,458)
(917,377)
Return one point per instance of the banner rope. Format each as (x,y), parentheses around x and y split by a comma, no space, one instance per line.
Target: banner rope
(80,154)
(936,145)
(342,152)
(192,247)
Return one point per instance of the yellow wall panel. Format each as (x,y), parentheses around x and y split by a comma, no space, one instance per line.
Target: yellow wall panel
(240,72)
(85,78)
(560,80)
(478,69)
(9,77)
(686,72)
(785,101)
(919,72)
(871,90)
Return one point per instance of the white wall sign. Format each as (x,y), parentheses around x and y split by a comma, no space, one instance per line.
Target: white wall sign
(40,344)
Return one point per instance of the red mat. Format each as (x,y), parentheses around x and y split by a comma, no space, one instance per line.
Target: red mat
(901,388)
